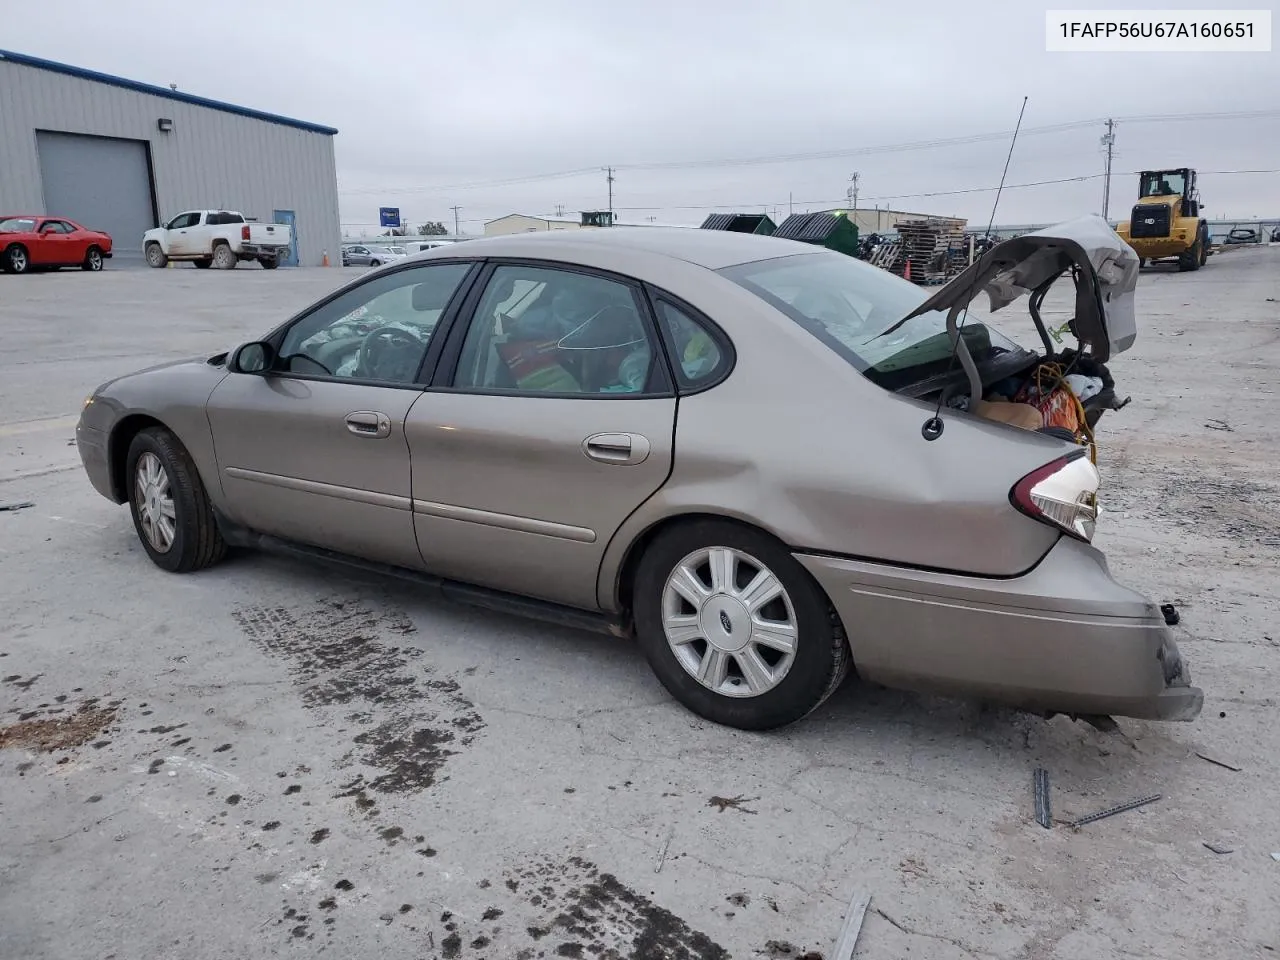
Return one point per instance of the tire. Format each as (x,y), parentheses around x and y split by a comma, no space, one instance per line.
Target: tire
(16,259)
(224,258)
(1204,248)
(1194,257)
(203,264)
(1142,262)
(375,263)
(194,541)
(155,256)
(821,657)
(93,261)
(269,263)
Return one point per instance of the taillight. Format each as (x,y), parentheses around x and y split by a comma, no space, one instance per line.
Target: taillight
(244,232)
(1063,493)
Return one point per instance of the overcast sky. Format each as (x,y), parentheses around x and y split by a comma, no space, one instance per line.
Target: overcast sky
(436,101)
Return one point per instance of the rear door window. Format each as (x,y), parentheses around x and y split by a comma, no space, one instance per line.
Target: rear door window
(544,331)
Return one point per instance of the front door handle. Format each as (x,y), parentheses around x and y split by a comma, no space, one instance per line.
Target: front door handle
(620,448)
(366,423)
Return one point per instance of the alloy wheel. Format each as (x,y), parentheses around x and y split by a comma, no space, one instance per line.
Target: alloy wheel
(156,509)
(95,260)
(729,622)
(18,260)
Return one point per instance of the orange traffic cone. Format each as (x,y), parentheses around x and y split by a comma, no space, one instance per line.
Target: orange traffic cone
(326,258)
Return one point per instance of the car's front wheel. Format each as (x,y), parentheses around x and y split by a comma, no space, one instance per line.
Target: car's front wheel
(734,627)
(171,511)
(16,259)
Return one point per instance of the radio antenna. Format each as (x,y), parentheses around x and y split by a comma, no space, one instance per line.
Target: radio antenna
(932,428)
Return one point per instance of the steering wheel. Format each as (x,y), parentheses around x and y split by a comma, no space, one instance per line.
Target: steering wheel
(390,353)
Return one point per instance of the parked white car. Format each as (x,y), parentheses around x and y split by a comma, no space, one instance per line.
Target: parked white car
(220,238)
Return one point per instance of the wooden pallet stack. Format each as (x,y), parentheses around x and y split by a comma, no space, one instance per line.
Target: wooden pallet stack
(928,244)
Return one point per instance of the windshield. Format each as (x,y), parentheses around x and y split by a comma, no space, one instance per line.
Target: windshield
(17,224)
(847,304)
(1163,183)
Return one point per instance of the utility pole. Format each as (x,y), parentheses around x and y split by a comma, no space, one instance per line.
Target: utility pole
(455,219)
(609,177)
(791,206)
(852,194)
(559,209)
(1108,141)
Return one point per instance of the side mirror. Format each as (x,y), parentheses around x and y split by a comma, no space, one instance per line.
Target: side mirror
(253,358)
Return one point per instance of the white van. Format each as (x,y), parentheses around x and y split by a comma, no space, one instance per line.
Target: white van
(417,246)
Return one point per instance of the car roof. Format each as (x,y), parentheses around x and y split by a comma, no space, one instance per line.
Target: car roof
(712,249)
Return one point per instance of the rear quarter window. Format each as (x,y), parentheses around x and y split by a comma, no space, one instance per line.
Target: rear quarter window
(700,353)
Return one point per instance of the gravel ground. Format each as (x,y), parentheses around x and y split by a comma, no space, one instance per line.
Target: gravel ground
(273,759)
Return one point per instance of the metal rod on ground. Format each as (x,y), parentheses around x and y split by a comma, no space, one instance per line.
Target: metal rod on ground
(853,917)
(1112,811)
(1044,813)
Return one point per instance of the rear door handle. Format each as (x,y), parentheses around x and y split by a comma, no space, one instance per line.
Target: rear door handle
(367,423)
(619,448)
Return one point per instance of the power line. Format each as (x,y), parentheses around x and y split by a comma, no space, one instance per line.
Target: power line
(933,193)
(908,146)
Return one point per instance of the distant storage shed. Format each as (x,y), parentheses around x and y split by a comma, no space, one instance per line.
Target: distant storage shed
(831,230)
(740,223)
(122,156)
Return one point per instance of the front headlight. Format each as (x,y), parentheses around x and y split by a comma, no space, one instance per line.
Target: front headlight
(87,400)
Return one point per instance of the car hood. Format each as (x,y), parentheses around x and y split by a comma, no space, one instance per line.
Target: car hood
(1108,276)
(201,361)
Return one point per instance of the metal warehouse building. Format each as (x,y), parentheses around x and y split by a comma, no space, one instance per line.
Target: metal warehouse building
(122,156)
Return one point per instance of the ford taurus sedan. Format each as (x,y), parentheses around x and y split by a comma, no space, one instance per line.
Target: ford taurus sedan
(768,463)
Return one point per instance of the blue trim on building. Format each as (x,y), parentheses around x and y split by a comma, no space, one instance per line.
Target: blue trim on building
(96,77)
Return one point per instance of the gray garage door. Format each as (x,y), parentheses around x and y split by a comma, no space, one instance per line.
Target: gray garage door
(102,183)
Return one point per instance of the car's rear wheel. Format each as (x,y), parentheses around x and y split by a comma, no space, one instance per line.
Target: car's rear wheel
(92,260)
(171,511)
(224,258)
(16,259)
(734,627)
(269,263)
(375,263)
(155,256)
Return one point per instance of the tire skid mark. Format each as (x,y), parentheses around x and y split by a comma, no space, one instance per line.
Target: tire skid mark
(337,655)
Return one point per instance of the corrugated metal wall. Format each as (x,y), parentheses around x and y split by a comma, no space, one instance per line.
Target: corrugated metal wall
(210,159)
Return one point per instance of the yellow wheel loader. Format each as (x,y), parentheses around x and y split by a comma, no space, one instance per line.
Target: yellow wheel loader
(1166,223)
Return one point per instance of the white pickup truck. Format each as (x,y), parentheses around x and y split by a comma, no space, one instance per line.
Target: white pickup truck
(220,238)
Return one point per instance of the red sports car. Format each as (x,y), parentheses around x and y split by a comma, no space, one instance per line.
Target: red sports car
(34,242)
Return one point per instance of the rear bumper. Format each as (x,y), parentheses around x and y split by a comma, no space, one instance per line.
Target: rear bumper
(1064,638)
(253,250)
